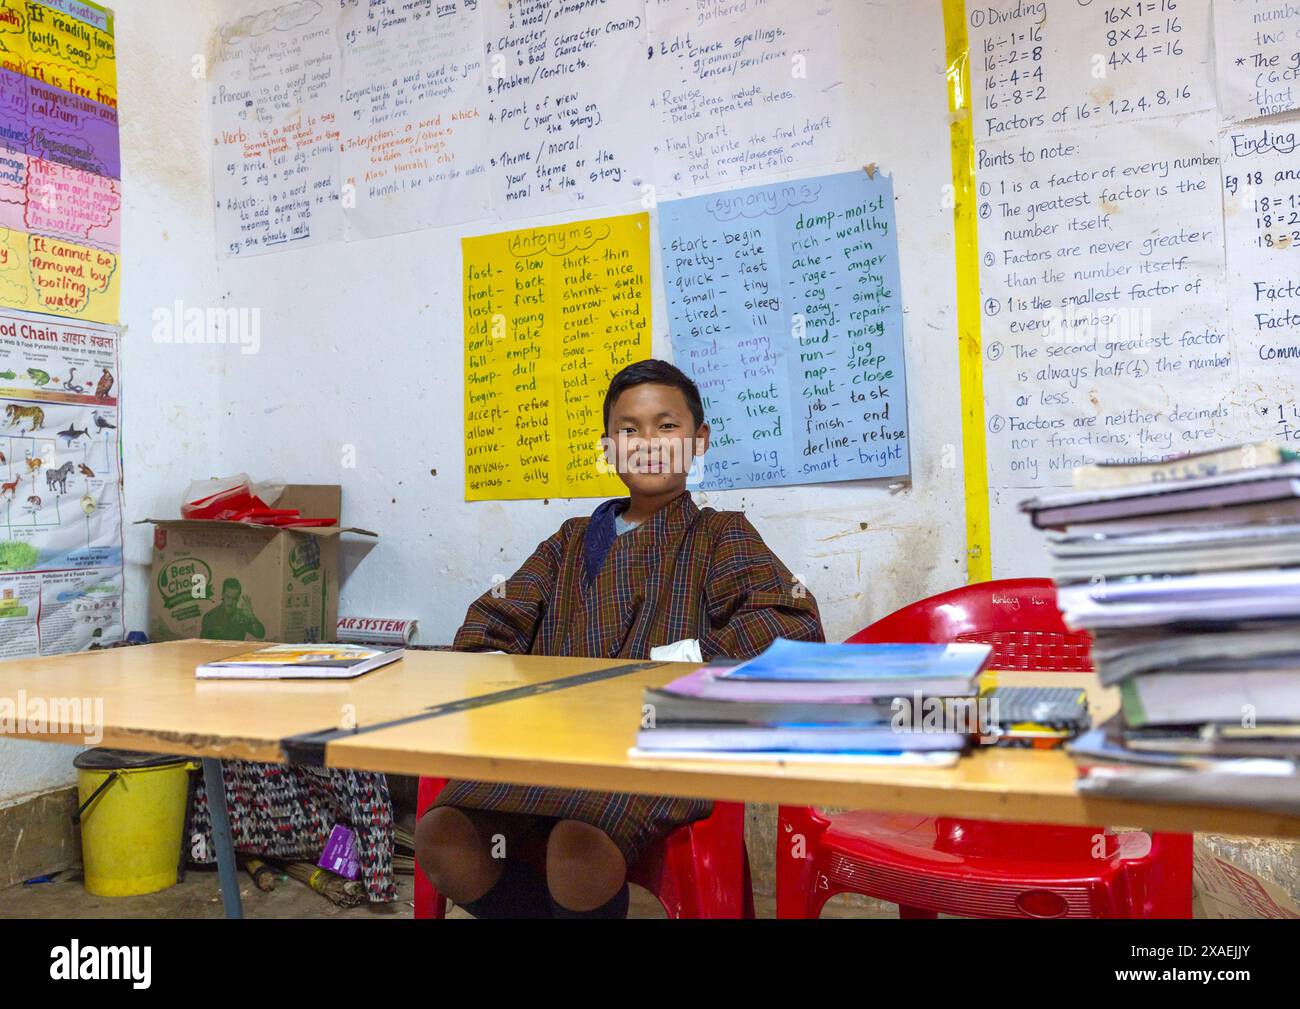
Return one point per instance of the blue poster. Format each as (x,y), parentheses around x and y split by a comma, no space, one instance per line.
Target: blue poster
(785,308)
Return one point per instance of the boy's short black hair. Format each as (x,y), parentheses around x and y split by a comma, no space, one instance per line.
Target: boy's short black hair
(657,373)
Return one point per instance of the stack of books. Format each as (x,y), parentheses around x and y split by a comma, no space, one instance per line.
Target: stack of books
(807,701)
(1187,575)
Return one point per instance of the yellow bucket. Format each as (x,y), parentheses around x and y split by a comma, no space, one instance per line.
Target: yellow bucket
(132,815)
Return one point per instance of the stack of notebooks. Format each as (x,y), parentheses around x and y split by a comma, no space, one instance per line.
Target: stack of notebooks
(1187,574)
(816,702)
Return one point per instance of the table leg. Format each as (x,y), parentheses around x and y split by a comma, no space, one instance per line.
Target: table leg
(221,837)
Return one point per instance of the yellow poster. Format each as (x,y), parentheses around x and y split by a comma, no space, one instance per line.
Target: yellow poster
(551,314)
(72,54)
(15,53)
(43,274)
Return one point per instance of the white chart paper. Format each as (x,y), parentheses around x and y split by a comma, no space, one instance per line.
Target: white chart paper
(274,98)
(1257,50)
(1104,317)
(566,82)
(413,129)
(1043,65)
(1261,200)
(740,92)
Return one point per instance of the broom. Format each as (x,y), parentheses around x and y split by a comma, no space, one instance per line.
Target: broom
(263,875)
(403,864)
(343,892)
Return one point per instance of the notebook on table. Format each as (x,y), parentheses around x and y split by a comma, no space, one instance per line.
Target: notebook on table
(300,662)
(874,670)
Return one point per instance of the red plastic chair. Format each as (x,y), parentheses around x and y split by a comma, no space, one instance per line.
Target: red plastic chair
(978,868)
(698,871)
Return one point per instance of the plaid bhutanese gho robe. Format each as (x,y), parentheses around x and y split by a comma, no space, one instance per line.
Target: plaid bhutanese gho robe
(685,573)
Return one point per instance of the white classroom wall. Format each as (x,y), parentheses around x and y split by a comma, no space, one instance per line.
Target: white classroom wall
(361,346)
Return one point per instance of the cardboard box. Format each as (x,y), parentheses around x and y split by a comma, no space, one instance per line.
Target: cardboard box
(1225,890)
(231,581)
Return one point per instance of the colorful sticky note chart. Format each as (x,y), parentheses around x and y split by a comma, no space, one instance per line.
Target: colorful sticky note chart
(54,125)
(46,198)
(43,274)
(71,47)
(551,314)
(784,306)
(15,53)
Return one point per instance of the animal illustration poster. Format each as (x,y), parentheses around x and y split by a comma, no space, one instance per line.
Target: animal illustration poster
(60,485)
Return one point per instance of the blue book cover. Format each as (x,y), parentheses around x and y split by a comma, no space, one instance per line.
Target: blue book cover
(815,662)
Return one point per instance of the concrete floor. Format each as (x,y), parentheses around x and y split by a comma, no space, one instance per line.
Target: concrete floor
(198,897)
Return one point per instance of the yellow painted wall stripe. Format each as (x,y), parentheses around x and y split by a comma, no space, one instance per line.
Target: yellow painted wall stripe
(970,352)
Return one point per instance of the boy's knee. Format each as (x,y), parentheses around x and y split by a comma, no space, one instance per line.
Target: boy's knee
(577,839)
(451,853)
(584,867)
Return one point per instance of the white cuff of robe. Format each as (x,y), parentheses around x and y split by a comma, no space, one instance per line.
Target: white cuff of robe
(686,650)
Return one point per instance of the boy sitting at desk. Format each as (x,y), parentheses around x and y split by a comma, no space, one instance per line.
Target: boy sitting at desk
(643,572)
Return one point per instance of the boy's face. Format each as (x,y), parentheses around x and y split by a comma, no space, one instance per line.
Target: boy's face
(653,438)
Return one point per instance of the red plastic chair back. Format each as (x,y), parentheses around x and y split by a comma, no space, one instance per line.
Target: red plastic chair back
(1017,616)
(930,865)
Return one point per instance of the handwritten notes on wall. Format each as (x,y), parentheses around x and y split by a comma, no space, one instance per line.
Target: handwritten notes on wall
(71,47)
(1086,65)
(60,278)
(374,117)
(1257,50)
(742,91)
(563,85)
(44,122)
(1261,200)
(60,234)
(414,116)
(551,314)
(785,308)
(60,198)
(1104,327)
(1136,241)
(274,100)
(47,198)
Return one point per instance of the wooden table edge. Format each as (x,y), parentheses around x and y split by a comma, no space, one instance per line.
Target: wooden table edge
(728,783)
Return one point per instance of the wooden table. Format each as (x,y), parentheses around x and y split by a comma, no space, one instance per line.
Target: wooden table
(545,721)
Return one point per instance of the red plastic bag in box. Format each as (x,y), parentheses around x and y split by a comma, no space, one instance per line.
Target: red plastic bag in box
(226,499)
